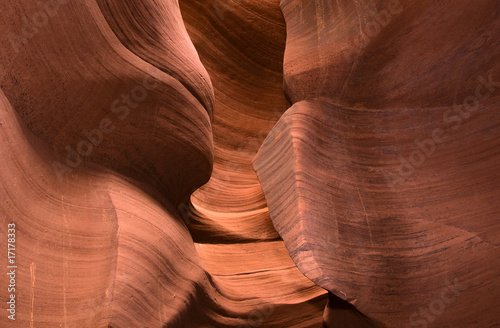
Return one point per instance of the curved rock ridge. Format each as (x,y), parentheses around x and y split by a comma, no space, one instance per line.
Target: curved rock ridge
(105,128)
(228,217)
(81,260)
(381,177)
(103,250)
(156,174)
(374,242)
(155,32)
(79,89)
(244,57)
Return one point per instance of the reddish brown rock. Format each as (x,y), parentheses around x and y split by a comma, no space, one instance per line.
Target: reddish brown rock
(377,242)
(389,53)
(110,119)
(244,57)
(381,178)
(100,241)
(73,73)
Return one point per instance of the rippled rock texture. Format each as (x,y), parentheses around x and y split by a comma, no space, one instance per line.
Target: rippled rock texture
(250,163)
(382,177)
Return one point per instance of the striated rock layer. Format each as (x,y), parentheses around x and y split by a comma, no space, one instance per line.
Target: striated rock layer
(244,57)
(73,73)
(382,176)
(127,134)
(106,130)
(229,219)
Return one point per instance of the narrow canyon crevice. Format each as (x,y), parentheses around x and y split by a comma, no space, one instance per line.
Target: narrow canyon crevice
(249,163)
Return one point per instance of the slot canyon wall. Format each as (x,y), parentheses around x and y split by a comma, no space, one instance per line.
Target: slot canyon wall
(250,163)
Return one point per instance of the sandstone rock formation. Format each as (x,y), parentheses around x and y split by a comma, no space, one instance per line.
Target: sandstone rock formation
(382,176)
(128,130)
